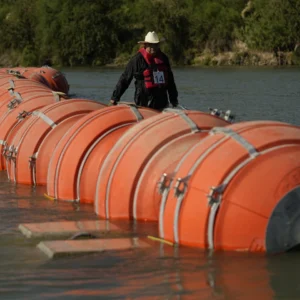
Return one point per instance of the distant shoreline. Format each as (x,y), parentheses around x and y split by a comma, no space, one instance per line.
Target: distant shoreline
(230,58)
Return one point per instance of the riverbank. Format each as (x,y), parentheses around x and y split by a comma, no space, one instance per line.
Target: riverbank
(247,58)
(242,57)
(231,58)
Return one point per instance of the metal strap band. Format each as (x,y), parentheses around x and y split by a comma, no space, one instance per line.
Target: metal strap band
(229,132)
(166,191)
(58,95)
(174,110)
(180,196)
(215,202)
(185,117)
(135,242)
(136,112)
(176,221)
(34,155)
(45,118)
(190,122)
(11,84)
(18,96)
(32,166)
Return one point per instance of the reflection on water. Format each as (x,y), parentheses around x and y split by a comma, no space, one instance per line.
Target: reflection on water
(160,272)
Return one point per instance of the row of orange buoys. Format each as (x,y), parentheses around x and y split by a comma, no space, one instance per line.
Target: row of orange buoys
(206,182)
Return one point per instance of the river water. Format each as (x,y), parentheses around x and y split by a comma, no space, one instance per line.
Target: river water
(160,272)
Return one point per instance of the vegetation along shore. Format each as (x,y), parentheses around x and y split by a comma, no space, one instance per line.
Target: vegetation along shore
(105,33)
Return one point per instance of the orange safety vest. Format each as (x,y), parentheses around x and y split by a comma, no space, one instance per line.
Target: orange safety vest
(156,74)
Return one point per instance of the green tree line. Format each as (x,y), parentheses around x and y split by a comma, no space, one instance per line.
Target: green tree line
(101,32)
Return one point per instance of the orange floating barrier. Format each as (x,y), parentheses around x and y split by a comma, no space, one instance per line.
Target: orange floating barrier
(16,72)
(6,78)
(13,118)
(56,79)
(48,146)
(234,190)
(12,83)
(139,148)
(89,168)
(15,90)
(24,147)
(146,196)
(90,139)
(8,87)
(3,71)
(33,74)
(16,99)
(8,99)
(45,75)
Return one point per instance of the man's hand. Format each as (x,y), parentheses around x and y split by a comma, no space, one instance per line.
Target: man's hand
(175,104)
(112,102)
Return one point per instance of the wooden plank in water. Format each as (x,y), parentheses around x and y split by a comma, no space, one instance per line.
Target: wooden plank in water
(67,228)
(54,249)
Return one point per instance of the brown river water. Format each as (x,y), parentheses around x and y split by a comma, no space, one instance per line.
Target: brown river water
(161,271)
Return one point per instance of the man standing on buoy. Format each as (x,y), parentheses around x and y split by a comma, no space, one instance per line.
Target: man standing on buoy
(154,81)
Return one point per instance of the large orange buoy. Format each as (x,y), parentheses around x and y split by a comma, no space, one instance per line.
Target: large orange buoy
(237,189)
(88,140)
(12,119)
(47,148)
(9,87)
(122,169)
(11,83)
(6,77)
(13,92)
(8,99)
(56,79)
(15,72)
(25,145)
(33,74)
(45,76)
(146,196)
(15,100)
(91,163)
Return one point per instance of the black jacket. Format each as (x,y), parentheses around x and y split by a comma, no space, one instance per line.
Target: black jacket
(157,98)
